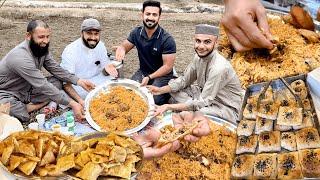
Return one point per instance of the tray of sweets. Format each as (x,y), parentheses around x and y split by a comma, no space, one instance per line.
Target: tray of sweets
(278,132)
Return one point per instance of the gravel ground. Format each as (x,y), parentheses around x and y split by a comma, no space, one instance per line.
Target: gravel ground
(65,25)
(116,23)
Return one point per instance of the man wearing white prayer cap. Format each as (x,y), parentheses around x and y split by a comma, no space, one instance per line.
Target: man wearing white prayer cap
(209,84)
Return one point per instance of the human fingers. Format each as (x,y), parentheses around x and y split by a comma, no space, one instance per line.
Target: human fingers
(187,116)
(236,44)
(114,48)
(88,85)
(110,69)
(92,85)
(163,108)
(81,118)
(242,38)
(141,140)
(82,110)
(114,72)
(81,83)
(177,120)
(235,30)
(152,135)
(149,152)
(119,54)
(263,22)
(81,102)
(191,138)
(254,34)
(151,88)
(144,81)
(138,138)
(146,144)
(79,111)
(78,115)
(171,147)
(156,113)
(202,129)
(147,138)
(175,145)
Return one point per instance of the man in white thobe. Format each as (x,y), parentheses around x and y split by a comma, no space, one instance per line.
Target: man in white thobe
(87,57)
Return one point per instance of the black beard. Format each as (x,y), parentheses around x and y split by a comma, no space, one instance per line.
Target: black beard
(85,42)
(37,50)
(150,27)
(204,55)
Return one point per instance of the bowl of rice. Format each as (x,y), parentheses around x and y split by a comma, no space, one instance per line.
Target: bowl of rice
(120,105)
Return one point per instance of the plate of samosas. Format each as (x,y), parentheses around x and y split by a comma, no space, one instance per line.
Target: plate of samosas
(40,154)
(102,154)
(33,154)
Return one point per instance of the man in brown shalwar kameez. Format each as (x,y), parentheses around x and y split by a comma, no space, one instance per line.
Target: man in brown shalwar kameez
(209,83)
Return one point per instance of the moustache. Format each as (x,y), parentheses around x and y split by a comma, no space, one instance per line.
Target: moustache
(92,40)
(148,20)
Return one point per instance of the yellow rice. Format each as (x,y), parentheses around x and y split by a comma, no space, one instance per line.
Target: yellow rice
(252,67)
(118,110)
(218,147)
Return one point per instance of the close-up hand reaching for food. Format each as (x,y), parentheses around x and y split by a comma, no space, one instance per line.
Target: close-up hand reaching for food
(243,23)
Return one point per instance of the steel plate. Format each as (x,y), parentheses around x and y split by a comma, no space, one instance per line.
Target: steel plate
(229,125)
(21,176)
(129,84)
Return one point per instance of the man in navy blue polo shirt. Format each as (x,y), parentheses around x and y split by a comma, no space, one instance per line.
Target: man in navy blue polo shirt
(156,50)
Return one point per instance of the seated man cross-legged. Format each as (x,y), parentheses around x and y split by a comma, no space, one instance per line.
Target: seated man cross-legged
(87,58)
(23,85)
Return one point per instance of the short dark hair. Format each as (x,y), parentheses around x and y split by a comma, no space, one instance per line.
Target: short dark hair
(152,3)
(33,24)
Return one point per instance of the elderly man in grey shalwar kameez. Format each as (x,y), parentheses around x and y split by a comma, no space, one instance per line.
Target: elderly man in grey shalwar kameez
(22,83)
(209,83)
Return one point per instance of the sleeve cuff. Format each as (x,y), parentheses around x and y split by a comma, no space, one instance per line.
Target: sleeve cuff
(64,100)
(190,105)
(74,80)
(169,52)
(174,86)
(104,72)
(130,40)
